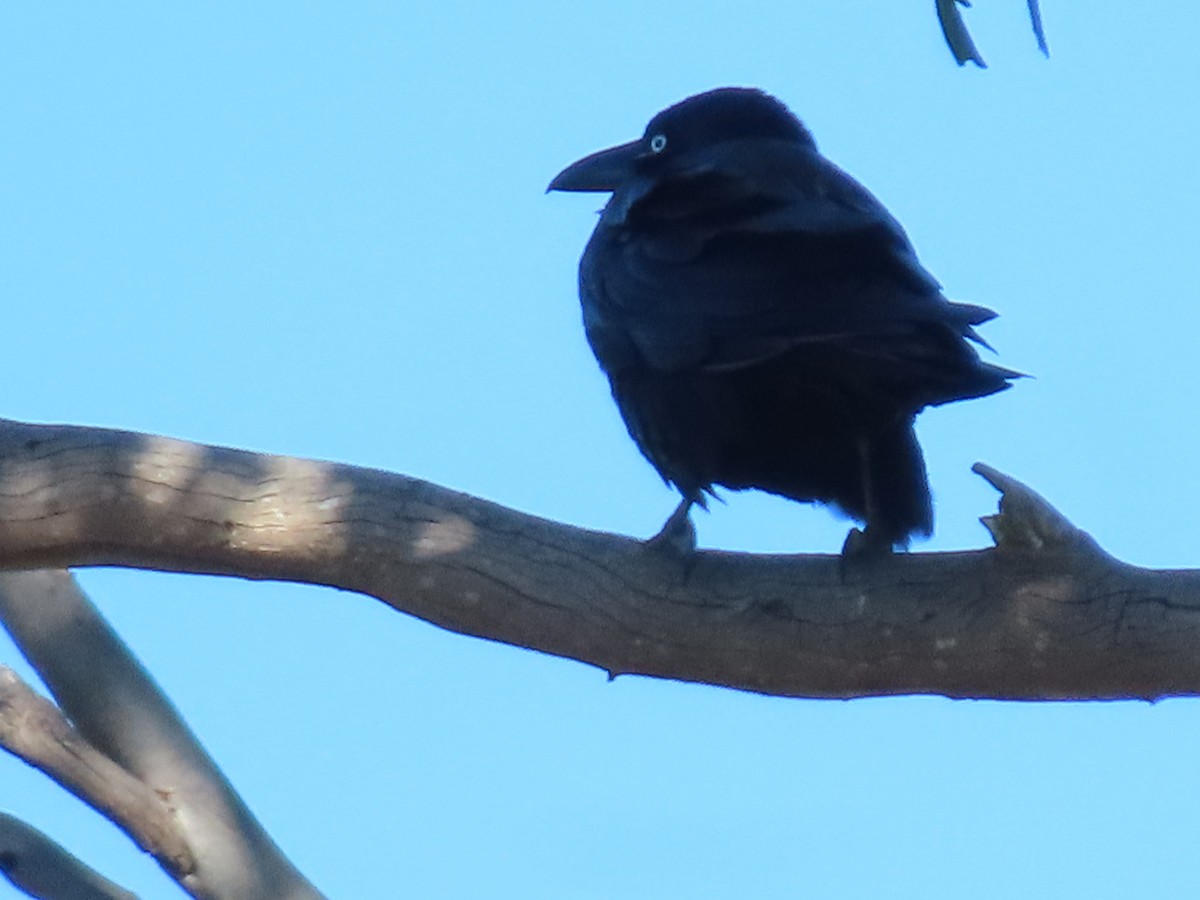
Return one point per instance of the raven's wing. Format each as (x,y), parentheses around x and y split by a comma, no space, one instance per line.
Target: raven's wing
(757,249)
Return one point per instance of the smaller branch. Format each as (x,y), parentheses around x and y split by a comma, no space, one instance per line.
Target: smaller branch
(41,868)
(33,729)
(210,843)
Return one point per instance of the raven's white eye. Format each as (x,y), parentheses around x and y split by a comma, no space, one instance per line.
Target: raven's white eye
(658,143)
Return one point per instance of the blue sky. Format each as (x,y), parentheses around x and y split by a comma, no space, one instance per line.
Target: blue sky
(320,230)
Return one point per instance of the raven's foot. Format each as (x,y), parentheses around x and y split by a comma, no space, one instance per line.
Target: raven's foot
(865,544)
(678,535)
(863,547)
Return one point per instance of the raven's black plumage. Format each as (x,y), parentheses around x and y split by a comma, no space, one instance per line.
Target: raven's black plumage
(763,320)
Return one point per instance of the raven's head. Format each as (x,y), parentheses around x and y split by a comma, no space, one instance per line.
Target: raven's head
(678,135)
(683,142)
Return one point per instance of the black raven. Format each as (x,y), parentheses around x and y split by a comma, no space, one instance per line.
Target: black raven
(764,321)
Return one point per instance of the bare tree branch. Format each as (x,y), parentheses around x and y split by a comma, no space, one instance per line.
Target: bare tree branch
(41,868)
(1060,621)
(33,729)
(129,753)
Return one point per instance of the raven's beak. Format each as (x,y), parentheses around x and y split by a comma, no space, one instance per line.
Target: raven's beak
(605,170)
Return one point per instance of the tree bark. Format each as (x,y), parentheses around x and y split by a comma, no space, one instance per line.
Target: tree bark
(1043,615)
